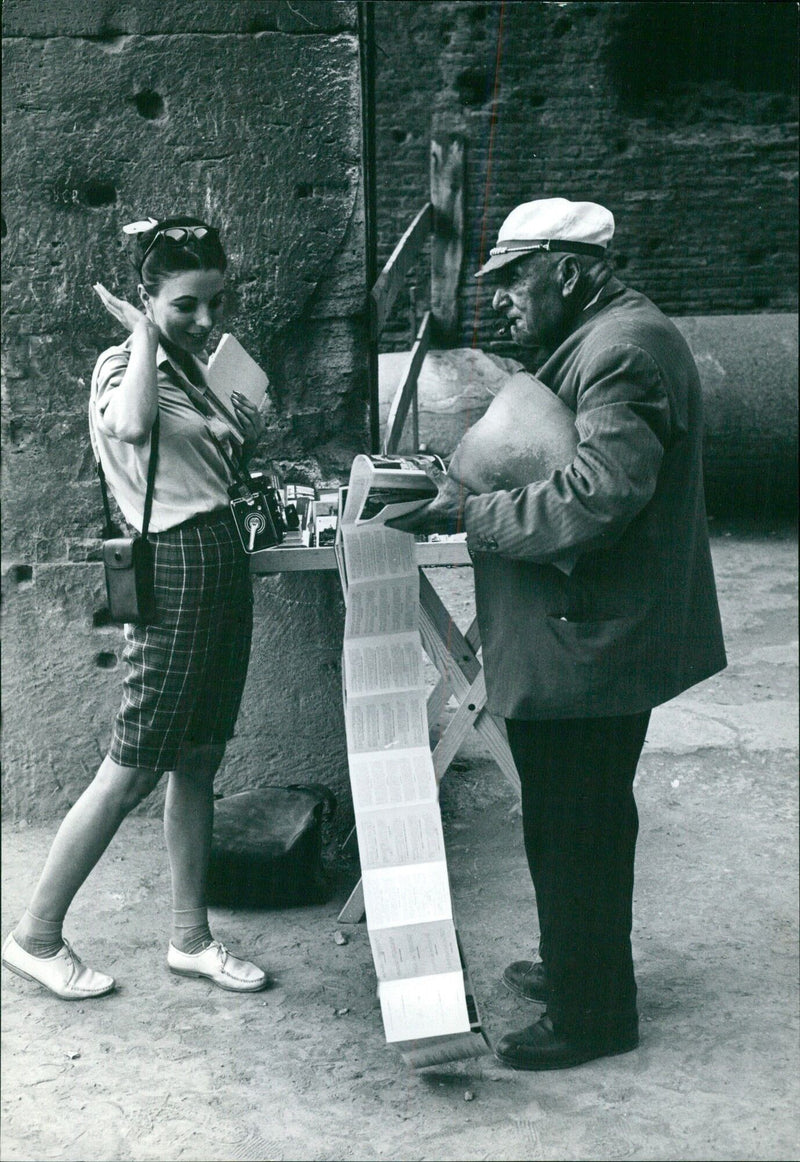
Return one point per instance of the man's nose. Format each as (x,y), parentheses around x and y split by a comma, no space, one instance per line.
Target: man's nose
(499,298)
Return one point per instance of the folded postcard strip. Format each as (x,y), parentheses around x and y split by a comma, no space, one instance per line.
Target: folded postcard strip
(423,987)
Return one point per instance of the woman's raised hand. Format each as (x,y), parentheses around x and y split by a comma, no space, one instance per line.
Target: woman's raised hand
(123,312)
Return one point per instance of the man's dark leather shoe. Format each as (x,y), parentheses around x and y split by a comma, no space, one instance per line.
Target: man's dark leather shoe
(539,1047)
(528,980)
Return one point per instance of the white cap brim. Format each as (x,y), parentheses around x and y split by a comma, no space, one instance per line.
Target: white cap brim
(498,260)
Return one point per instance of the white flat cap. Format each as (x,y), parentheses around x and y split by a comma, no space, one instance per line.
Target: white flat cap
(551,224)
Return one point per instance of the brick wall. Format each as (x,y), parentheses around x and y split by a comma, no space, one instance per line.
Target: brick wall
(681,118)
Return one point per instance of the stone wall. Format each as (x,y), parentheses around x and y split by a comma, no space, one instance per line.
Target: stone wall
(248,115)
(681,118)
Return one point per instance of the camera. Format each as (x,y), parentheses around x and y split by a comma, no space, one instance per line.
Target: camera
(257,513)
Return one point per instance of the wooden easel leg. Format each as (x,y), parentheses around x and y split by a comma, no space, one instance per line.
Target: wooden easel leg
(470,706)
(440,694)
(497,745)
(455,656)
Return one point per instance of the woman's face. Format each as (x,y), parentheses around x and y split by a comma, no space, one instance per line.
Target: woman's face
(186,307)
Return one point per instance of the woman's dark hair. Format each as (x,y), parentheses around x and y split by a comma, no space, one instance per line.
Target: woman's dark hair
(166,258)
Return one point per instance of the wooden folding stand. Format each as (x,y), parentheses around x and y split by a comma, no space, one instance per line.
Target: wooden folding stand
(454,654)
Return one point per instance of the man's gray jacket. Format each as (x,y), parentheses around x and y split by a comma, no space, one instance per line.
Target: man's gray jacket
(636,621)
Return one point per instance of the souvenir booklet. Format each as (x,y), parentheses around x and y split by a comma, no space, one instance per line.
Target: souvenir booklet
(231,369)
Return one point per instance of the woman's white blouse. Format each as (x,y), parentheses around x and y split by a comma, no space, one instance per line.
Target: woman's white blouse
(191,474)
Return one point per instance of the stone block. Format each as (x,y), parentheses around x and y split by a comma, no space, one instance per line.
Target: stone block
(60,686)
(748,369)
(455,388)
(110,20)
(50,487)
(271,157)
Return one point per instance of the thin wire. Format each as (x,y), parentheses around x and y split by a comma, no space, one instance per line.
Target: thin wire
(482,247)
(487,183)
(486,189)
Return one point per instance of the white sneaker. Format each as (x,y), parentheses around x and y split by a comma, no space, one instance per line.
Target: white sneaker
(63,974)
(216,964)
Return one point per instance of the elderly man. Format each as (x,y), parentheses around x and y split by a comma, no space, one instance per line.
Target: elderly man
(595,600)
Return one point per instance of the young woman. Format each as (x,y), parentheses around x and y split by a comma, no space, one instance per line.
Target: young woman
(185,671)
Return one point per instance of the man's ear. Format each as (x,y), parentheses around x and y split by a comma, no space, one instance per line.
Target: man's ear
(569,273)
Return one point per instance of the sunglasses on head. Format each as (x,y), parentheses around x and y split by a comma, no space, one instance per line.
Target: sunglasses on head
(177,236)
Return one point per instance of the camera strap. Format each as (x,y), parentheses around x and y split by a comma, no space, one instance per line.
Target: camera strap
(261,514)
(109,530)
(238,474)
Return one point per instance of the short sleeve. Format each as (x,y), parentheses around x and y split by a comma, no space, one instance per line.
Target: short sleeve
(108,374)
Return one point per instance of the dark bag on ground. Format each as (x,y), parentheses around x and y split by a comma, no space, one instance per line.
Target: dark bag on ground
(267,848)
(128,561)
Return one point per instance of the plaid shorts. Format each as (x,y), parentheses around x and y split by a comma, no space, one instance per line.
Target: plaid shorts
(186,671)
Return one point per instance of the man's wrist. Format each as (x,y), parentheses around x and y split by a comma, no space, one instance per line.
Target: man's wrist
(465,508)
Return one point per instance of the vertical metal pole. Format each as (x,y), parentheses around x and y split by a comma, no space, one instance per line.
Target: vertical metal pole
(412,318)
(366,44)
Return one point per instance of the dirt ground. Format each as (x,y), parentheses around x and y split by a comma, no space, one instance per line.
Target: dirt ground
(167,1068)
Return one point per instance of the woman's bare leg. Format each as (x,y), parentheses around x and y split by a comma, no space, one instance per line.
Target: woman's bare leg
(85,833)
(188,825)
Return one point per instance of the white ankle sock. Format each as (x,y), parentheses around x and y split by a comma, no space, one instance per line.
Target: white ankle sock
(190,931)
(39,937)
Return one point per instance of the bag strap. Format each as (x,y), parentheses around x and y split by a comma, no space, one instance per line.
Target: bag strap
(151,479)
(108,531)
(151,475)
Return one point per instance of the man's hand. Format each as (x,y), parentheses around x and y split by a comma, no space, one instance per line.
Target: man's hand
(443,514)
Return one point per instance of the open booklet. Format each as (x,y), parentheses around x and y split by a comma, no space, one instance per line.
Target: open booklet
(231,369)
(384,487)
(426,999)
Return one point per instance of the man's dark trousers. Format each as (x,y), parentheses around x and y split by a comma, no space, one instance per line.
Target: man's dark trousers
(580,825)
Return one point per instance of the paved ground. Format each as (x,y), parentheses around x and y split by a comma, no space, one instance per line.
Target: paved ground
(173,1069)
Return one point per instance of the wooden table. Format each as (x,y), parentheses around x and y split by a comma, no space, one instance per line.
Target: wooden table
(454,654)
